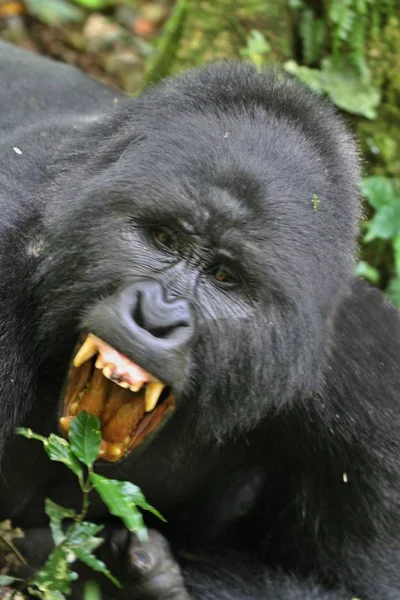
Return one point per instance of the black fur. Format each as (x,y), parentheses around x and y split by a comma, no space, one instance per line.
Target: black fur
(279,472)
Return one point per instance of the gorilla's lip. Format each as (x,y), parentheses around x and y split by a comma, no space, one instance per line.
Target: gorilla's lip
(130,403)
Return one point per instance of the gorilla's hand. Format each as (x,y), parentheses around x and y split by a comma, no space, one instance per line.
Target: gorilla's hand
(148,570)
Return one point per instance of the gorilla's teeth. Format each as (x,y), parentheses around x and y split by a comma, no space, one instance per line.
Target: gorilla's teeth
(122,384)
(99,363)
(153,392)
(107,371)
(115,450)
(136,386)
(86,351)
(74,408)
(65,424)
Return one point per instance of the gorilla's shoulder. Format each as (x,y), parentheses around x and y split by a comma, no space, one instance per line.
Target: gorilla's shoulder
(32,86)
(366,344)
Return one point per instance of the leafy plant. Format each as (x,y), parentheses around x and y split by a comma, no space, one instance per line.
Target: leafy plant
(383,194)
(344,85)
(257,48)
(349,22)
(57,12)
(312,31)
(75,538)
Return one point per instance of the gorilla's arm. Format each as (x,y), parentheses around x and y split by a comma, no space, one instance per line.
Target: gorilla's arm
(150,572)
(328,508)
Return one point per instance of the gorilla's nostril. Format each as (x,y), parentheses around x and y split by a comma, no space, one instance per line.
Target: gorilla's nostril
(163,332)
(137,315)
(152,314)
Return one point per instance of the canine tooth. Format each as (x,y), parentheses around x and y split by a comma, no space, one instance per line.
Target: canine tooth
(86,351)
(99,363)
(152,394)
(136,386)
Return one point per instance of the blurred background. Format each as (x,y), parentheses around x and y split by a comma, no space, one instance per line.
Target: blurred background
(348,50)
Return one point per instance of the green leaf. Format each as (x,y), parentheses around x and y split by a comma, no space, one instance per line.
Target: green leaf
(312,31)
(257,48)
(311,77)
(55,12)
(85,437)
(295,4)
(365,270)
(349,90)
(56,447)
(385,224)
(84,533)
(122,499)
(82,541)
(379,191)
(396,250)
(346,87)
(382,194)
(56,575)
(393,290)
(95,4)
(56,515)
(49,595)
(96,564)
(59,450)
(92,591)
(7,580)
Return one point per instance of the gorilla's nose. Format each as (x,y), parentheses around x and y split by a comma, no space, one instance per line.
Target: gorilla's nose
(142,324)
(152,315)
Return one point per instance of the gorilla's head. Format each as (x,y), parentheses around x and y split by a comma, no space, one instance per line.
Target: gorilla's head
(200,237)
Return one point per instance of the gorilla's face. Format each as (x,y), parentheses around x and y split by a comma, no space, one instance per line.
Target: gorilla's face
(199,274)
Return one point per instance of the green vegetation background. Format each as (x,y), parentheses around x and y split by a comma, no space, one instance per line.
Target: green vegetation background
(346,49)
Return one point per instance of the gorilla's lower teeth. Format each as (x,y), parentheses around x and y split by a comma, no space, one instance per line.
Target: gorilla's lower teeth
(120,393)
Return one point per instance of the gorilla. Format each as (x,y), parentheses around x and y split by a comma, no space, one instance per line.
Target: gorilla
(181,265)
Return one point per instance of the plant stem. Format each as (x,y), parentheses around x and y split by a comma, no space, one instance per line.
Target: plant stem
(14,550)
(86,488)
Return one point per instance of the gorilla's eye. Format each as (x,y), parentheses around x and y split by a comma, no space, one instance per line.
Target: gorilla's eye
(166,238)
(224,276)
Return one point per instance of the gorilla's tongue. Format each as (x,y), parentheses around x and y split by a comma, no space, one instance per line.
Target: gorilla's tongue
(129,402)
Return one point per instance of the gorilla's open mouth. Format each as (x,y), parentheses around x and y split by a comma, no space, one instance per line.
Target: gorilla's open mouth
(129,402)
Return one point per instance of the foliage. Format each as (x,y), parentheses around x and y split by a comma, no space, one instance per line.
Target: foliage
(383,195)
(341,81)
(75,538)
(345,49)
(343,56)
(57,12)
(159,64)
(257,48)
